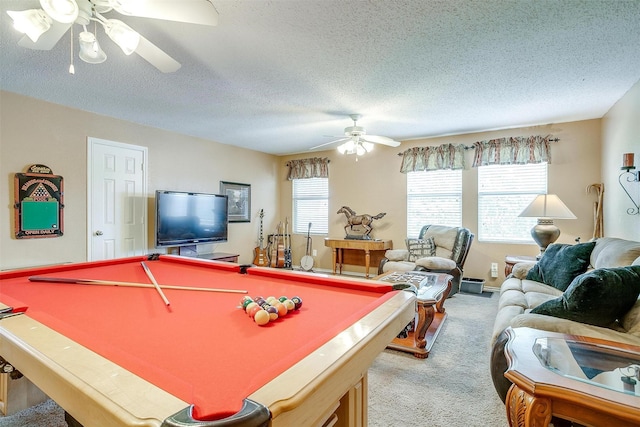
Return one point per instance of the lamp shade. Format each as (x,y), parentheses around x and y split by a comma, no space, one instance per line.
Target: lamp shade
(547,206)
(33,22)
(63,11)
(90,50)
(122,35)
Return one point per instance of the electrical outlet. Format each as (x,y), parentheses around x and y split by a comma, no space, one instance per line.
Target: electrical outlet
(494,269)
(315,252)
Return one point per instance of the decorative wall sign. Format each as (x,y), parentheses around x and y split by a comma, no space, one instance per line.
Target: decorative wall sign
(38,203)
(239,200)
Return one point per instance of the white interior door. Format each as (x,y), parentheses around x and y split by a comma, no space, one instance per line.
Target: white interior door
(117,208)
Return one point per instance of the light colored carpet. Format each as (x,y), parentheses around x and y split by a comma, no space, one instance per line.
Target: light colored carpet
(46,414)
(451,388)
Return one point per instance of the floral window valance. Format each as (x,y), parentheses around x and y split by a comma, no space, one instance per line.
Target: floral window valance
(512,151)
(445,156)
(314,167)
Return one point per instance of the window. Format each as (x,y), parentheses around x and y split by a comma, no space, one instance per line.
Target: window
(503,192)
(311,205)
(433,197)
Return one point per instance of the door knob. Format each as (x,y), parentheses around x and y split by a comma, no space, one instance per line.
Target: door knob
(98,233)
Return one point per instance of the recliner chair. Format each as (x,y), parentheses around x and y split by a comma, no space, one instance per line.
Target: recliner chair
(438,248)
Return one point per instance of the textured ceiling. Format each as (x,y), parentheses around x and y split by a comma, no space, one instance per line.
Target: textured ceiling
(279,76)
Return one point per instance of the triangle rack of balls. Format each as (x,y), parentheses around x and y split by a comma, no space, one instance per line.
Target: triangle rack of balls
(265,310)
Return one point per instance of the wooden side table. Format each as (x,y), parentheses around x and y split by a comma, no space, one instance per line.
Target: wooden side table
(511,260)
(557,375)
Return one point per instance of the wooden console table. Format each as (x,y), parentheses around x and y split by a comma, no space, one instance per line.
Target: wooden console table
(357,252)
(571,385)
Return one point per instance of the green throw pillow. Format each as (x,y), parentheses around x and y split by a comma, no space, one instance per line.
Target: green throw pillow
(599,297)
(561,263)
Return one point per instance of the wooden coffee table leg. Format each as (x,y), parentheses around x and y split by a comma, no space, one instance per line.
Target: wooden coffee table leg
(426,313)
(445,295)
(524,410)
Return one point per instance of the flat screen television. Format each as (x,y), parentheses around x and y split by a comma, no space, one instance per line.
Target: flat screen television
(186,219)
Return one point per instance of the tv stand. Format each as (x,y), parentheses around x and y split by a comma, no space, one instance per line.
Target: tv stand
(192,251)
(220,256)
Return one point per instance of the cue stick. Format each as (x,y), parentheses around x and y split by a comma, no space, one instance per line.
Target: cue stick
(155,283)
(128,284)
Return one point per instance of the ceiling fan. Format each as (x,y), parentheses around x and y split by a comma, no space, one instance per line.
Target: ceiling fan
(44,27)
(356,140)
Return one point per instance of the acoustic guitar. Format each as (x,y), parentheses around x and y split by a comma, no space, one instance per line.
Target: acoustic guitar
(261,257)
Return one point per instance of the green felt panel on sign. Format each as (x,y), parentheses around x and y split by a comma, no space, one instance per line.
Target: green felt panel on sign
(40,215)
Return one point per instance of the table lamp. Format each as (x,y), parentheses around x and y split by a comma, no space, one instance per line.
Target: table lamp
(546,207)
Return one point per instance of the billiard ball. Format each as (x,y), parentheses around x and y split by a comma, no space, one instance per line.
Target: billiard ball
(297,301)
(249,306)
(273,312)
(289,304)
(282,309)
(261,317)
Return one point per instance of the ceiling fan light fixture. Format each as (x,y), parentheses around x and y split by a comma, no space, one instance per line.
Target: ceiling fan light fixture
(63,11)
(348,147)
(368,146)
(90,50)
(33,22)
(122,35)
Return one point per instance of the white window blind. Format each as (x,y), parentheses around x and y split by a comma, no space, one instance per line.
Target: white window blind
(311,205)
(433,197)
(503,192)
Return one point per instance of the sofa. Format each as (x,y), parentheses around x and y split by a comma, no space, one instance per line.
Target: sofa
(438,248)
(589,289)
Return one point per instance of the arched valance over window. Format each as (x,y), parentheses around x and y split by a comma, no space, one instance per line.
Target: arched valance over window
(314,167)
(445,156)
(512,151)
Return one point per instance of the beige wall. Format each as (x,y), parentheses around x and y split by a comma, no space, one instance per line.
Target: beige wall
(621,134)
(34,131)
(374,184)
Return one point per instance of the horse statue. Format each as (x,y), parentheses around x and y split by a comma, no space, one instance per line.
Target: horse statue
(364,220)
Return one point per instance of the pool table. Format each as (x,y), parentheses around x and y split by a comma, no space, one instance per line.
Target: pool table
(119,356)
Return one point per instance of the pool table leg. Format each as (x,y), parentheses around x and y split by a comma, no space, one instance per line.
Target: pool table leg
(71,422)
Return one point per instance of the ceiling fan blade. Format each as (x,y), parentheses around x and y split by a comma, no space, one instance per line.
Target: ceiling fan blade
(156,56)
(329,143)
(48,39)
(380,140)
(189,11)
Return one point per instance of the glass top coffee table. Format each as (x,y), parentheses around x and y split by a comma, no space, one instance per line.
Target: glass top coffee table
(432,289)
(581,379)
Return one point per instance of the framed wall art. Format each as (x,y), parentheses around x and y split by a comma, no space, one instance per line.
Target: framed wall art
(239,200)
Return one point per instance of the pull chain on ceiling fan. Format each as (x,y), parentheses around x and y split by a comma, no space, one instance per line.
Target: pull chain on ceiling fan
(44,27)
(356,141)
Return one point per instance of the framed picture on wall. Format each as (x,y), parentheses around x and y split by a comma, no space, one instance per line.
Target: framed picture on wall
(239,200)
